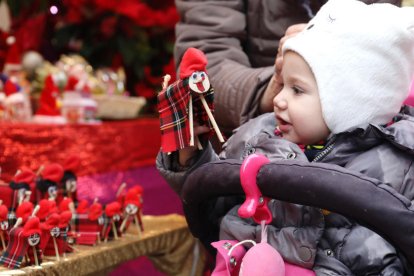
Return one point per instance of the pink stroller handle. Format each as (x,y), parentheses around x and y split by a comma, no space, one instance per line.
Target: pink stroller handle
(255,204)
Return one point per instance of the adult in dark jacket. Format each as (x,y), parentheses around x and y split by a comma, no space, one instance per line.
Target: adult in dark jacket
(364,169)
(240,39)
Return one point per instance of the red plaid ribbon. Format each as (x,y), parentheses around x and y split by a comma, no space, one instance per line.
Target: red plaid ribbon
(87,231)
(61,242)
(173,112)
(16,249)
(30,255)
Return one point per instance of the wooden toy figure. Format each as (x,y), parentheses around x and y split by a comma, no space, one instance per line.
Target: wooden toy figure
(32,232)
(113,213)
(132,208)
(186,102)
(4,225)
(47,183)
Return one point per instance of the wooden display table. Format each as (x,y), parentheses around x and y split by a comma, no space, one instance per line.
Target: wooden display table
(166,241)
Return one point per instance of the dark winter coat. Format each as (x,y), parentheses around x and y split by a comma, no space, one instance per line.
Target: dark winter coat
(366,175)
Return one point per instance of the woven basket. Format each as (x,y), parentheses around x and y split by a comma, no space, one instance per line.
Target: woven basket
(117,107)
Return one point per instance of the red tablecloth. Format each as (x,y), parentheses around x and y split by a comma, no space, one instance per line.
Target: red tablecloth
(110,146)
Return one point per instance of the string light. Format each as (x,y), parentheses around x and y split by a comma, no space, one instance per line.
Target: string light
(53,10)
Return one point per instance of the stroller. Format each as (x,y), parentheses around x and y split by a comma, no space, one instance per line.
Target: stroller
(202,191)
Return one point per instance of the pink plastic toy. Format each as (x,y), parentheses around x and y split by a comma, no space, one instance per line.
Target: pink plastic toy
(410,99)
(255,204)
(262,259)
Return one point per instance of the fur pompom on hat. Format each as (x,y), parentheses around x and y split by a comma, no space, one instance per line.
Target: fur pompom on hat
(25,176)
(362,57)
(53,172)
(193,60)
(32,226)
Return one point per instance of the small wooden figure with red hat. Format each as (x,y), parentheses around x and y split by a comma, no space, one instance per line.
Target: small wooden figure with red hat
(21,238)
(187,100)
(22,185)
(4,224)
(57,246)
(32,232)
(132,205)
(47,183)
(113,213)
(88,222)
(49,228)
(69,179)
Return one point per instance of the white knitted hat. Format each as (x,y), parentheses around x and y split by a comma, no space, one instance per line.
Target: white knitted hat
(362,57)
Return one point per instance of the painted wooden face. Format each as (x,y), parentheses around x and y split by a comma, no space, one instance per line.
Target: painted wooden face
(116,217)
(4,225)
(131,209)
(71,185)
(33,239)
(55,232)
(199,82)
(52,191)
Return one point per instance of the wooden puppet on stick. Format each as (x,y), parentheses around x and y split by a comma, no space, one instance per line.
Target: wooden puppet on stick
(186,102)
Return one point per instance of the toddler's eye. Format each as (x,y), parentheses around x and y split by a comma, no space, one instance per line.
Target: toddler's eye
(297,91)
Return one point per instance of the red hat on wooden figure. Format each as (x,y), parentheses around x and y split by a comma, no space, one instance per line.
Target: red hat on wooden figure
(193,60)
(83,207)
(137,189)
(53,172)
(132,198)
(3,212)
(45,208)
(64,205)
(113,209)
(95,211)
(71,163)
(24,176)
(32,226)
(24,210)
(65,218)
(51,221)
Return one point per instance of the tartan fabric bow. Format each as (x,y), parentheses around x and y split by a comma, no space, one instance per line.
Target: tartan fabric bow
(173,112)
(16,249)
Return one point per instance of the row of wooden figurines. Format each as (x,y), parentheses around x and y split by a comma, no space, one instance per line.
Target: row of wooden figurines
(31,228)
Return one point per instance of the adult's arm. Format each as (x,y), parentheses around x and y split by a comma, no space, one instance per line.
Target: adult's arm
(366,200)
(218,28)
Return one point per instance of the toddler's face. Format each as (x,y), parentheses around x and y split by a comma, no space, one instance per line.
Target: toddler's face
(297,107)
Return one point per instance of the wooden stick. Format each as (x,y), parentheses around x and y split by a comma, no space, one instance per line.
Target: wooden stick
(35,256)
(191,120)
(120,189)
(124,223)
(18,222)
(27,195)
(39,171)
(20,198)
(166,80)
(137,225)
(3,243)
(199,146)
(210,116)
(35,210)
(114,229)
(56,249)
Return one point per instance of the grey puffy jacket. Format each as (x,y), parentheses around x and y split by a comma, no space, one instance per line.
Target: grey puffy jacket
(240,39)
(332,244)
